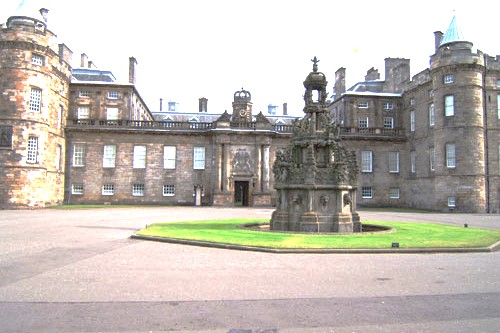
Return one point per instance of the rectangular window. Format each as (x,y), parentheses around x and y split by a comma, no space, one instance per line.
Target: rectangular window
(139,161)
(447,79)
(366,161)
(169,157)
(108,189)
(138,190)
(32,149)
(109,156)
(388,106)
(413,161)
(431,159)
(111,113)
(451,202)
(450,155)
(37,59)
(394,161)
(363,105)
(77,189)
(412,101)
(5,136)
(168,190)
(199,158)
(35,99)
(412,121)
(57,158)
(499,159)
(83,112)
(113,95)
(84,93)
(78,155)
(394,193)
(449,105)
(431,115)
(363,122)
(498,83)
(366,192)
(60,114)
(388,122)
(498,106)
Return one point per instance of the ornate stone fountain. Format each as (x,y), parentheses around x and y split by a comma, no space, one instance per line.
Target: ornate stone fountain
(315,175)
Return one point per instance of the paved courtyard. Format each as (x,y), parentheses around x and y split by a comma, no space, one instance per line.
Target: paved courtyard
(78,271)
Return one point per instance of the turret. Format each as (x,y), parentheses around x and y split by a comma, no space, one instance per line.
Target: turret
(35,76)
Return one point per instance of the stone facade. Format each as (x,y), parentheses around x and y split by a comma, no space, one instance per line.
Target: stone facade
(35,75)
(75,135)
(432,141)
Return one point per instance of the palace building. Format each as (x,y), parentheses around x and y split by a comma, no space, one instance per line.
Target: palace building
(77,136)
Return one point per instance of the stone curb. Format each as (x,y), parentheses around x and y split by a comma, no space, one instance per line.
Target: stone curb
(492,248)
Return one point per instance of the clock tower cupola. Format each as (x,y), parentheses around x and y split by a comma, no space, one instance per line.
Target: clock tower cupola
(242,106)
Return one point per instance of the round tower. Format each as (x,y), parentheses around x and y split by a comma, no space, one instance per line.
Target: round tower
(457,76)
(34,80)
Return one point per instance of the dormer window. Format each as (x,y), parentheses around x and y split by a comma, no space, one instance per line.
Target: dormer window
(447,79)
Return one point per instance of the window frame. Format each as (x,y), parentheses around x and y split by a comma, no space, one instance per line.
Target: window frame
(388,122)
(363,122)
(108,189)
(413,161)
(78,159)
(388,106)
(392,191)
(35,104)
(77,189)
(362,105)
(109,156)
(169,157)
(139,157)
(6,135)
(113,95)
(452,202)
(412,121)
(451,157)
(84,93)
(367,192)
(168,190)
(83,112)
(199,157)
(432,159)
(432,115)
(138,190)
(366,161)
(37,59)
(449,108)
(448,78)
(393,161)
(32,148)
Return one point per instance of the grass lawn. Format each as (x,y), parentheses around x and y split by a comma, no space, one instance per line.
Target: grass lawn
(408,235)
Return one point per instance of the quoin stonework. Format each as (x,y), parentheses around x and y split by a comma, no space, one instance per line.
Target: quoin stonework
(75,135)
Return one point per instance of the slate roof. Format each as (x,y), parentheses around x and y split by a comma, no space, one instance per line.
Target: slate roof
(453,34)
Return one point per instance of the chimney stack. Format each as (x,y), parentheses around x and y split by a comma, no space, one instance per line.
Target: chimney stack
(132,62)
(438,35)
(84,60)
(285,109)
(161,104)
(203,104)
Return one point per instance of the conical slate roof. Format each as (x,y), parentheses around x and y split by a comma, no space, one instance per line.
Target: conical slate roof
(453,34)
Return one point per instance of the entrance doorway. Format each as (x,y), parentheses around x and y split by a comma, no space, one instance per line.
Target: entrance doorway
(241,193)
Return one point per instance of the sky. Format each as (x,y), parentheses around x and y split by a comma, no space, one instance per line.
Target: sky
(212,48)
